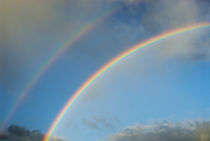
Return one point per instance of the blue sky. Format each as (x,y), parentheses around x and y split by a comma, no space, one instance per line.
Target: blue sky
(167,81)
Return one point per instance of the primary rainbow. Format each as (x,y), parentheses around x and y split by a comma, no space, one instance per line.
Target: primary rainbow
(84,30)
(114,61)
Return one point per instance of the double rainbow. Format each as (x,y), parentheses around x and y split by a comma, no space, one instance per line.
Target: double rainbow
(51,60)
(114,61)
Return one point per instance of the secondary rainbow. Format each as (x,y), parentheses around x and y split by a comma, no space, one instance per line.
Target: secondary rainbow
(55,55)
(116,60)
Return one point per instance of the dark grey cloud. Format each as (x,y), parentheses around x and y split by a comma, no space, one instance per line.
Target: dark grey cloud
(31,31)
(18,133)
(18,24)
(165,131)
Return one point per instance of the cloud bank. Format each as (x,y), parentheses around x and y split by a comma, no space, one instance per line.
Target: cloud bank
(165,131)
(18,133)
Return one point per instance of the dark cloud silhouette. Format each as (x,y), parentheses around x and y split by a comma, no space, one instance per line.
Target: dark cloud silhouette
(166,131)
(18,133)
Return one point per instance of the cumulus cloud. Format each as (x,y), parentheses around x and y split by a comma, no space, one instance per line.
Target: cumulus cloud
(18,133)
(165,131)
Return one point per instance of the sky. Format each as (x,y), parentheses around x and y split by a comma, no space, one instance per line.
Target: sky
(166,84)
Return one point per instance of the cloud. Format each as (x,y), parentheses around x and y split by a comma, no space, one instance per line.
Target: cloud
(21,22)
(167,131)
(101,123)
(106,123)
(157,16)
(91,124)
(173,14)
(31,30)
(18,133)
(202,49)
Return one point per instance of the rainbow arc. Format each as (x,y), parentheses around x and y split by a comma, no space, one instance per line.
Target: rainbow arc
(117,59)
